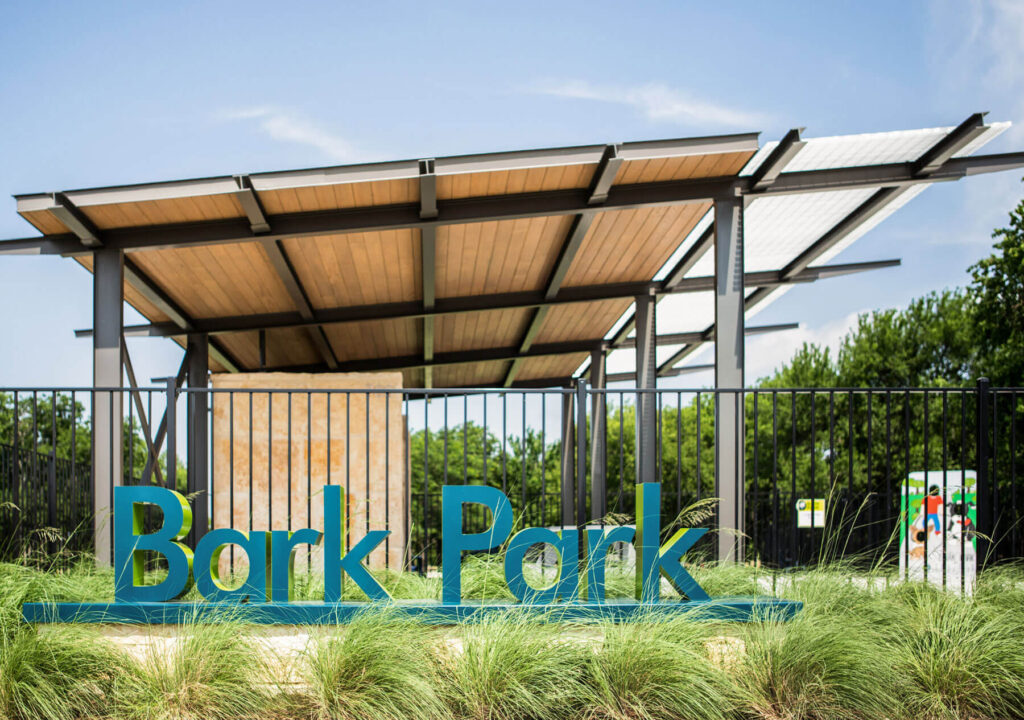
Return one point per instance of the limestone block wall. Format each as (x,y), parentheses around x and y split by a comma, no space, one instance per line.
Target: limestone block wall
(274,450)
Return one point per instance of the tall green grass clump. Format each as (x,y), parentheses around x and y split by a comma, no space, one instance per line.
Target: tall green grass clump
(65,674)
(378,667)
(513,667)
(813,667)
(955,658)
(653,669)
(211,672)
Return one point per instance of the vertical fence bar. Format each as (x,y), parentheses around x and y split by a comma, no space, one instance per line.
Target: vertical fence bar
(793,531)
(756,498)
(679,452)
(775,482)
(74,459)
(700,447)
(1015,549)
(963,493)
(426,479)
(945,466)
(581,466)
(868,479)
(16,461)
(171,413)
(387,477)
(52,478)
(924,501)
(984,510)
(905,483)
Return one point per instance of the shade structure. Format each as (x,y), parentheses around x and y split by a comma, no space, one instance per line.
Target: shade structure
(497,269)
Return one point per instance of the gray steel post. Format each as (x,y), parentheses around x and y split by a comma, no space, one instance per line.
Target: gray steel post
(646,403)
(108,317)
(568,463)
(729,357)
(198,437)
(598,449)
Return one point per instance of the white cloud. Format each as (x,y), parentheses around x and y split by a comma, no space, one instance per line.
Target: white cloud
(766,353)
(976,50)
(655,101)
(288,126)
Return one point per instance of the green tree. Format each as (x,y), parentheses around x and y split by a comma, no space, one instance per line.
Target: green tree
(997,297)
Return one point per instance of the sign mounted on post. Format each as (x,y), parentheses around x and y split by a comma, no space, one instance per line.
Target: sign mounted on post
(810,513)
(265,595)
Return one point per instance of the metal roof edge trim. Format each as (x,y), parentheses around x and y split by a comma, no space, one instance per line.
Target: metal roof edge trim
(394,170)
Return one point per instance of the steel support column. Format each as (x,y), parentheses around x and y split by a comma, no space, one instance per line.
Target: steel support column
(568,463)
(198,436)
(108,317)
(598,449)
(646,402)
(729,357)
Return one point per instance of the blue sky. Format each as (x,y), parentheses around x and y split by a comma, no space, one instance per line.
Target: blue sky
(106,93)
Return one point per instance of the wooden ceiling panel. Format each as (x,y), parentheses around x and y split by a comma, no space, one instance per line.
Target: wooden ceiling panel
(358,268)
(498,257)
(479,330)
(552,366)
(132,296)
(481,374)
(632,245)
(45,222)
(285,348)
(509,182)
(217,280)
(164,212)
(580,321)
(682,168)
(375,339)
(340,196)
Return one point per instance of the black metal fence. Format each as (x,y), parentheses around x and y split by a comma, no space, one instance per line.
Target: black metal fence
(255,459)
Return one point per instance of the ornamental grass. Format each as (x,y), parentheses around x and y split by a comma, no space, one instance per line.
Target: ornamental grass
(864,646)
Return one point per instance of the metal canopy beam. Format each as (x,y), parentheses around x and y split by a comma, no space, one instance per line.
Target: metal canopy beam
(161,431)
(578,230)
(604,176)
(75,220)
(133,275)
(956,140)
(154,293)
(526,205)
(702,335)
(777,160)
(506,301)
(690,257)
(603,179)
(251,205)
(932,163)
(151,452)
(460,357)
(286,272)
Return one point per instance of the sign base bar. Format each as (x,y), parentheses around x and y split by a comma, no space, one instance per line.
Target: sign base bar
(435,613)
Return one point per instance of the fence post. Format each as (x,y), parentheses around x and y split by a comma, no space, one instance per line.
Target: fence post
(581,463)
(984,492)
(567,462)
(172,433)
(52,496)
